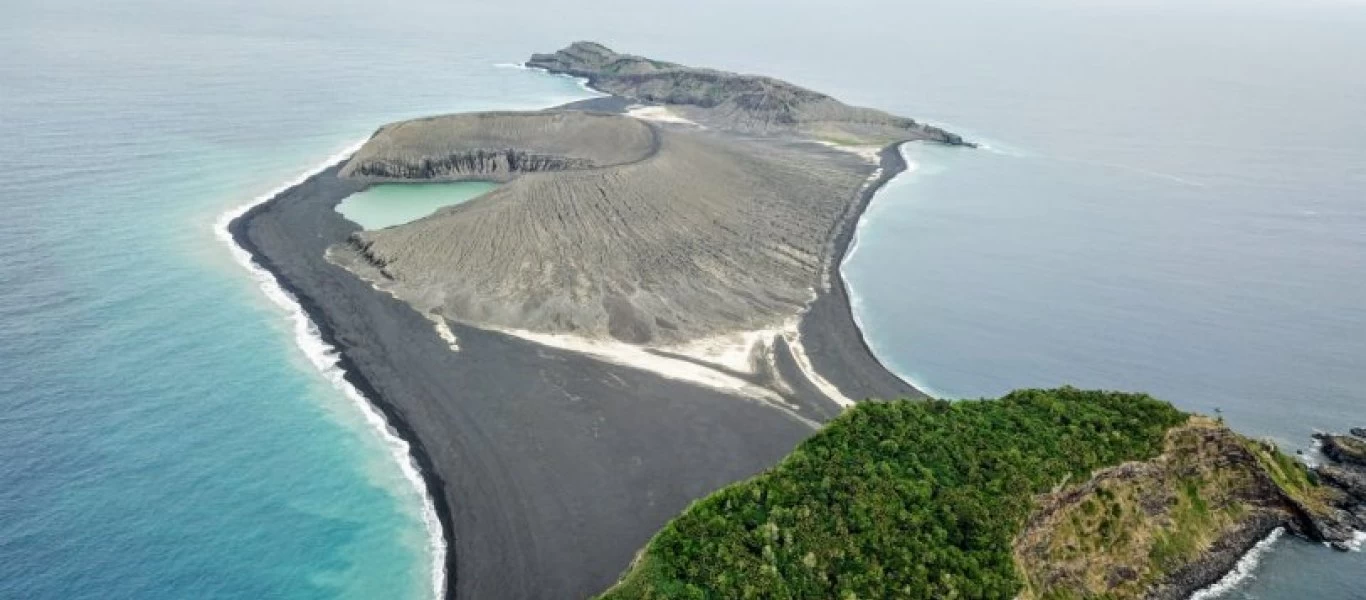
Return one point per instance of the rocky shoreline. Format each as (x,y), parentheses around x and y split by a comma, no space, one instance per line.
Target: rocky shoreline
(1166,528)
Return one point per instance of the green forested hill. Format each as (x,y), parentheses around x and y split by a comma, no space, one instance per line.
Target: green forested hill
(899,499)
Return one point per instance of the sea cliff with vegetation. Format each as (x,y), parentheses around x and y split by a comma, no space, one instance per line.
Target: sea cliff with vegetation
(1041,494)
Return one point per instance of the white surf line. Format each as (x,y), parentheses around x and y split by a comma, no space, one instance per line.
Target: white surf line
(1242,571)
(911,167)
(1357,542)
(582,81)
(854,300)
(725,351)
(324,358)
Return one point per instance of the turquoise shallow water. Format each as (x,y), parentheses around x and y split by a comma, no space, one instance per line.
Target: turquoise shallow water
(161,433)
(392,204)
(1173,204)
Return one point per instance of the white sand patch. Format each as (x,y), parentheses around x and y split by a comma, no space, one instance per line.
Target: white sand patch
(443,330)
(872,154)
(719,362)
(794,342)
(658,114)
(640,357)
(735,351)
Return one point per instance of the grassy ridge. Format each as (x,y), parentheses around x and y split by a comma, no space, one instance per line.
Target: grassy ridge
(899,499)
(1141,528)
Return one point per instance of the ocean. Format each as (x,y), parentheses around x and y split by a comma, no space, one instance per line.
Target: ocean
(1170,201)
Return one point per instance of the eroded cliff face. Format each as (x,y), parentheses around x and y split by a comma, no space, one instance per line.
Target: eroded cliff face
(496,146)
(1165,528)
(748,103)
(489,165)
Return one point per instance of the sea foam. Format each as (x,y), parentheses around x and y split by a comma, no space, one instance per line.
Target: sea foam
(324,357)
(1242,571)
(582,81)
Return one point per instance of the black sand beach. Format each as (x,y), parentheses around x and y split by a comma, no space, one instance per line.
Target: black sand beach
(830,335)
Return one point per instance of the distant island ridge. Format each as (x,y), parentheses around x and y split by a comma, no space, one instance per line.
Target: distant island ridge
(648,308)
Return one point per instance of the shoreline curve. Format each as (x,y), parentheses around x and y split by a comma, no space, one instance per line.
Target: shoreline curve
(404,447)
(909,168)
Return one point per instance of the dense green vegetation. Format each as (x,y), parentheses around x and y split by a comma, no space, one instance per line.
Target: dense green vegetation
(897,500)
(1126,531)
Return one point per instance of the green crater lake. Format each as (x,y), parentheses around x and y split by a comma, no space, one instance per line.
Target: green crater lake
(389,204)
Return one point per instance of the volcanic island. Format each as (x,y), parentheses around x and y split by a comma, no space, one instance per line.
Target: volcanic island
(649,309)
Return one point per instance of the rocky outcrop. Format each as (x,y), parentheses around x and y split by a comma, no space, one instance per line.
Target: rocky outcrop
(1344,478)
(1344,449)
(748,103)
(1351,481)
(1165,528)
(1359,432)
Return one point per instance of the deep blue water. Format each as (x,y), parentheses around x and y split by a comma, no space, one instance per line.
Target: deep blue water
(1173,204)
(1173,201)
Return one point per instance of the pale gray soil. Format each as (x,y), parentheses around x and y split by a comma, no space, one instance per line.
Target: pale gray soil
(709,234)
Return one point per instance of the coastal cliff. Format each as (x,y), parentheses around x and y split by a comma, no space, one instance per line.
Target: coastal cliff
(1163,528)
(748,103)
(497,146)
(972,499)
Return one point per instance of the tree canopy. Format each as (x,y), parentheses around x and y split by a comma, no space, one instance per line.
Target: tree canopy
(905,499)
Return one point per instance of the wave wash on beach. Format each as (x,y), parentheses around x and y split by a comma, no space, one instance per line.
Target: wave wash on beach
(325,358)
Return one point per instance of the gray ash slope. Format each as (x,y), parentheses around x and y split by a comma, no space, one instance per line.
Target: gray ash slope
(705,235)
(609,226)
